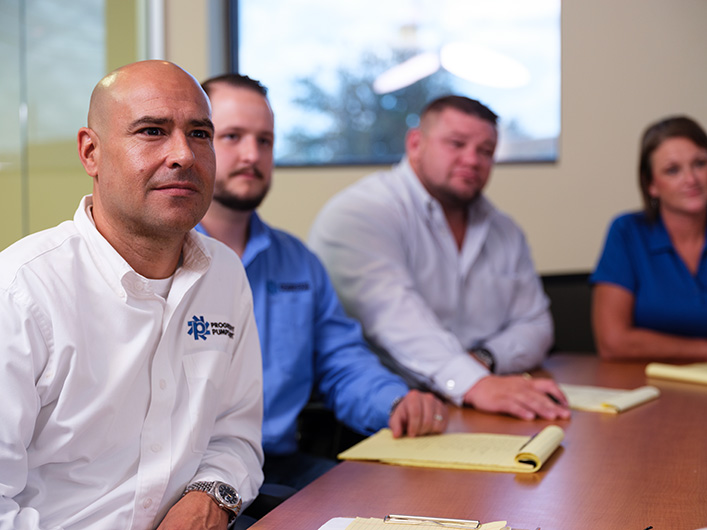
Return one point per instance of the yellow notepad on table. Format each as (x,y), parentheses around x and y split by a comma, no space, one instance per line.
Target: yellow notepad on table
(691,373)
(487,452)
(609,400)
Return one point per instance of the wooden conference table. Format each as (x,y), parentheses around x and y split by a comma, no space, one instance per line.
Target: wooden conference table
(641,468)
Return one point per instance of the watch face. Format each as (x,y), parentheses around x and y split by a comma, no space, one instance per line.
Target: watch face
(228,494)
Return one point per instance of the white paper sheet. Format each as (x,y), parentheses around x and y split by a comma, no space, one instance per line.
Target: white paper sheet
(338,523)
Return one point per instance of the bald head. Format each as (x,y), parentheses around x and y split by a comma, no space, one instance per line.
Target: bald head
(134,80)
(149,149)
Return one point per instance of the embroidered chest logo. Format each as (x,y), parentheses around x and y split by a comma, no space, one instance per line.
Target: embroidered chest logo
(199,328)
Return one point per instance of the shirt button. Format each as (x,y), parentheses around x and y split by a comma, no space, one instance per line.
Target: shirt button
(156,448)
(451,384)
(163,384)
(147,503)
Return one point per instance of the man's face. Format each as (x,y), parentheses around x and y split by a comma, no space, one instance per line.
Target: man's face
(243,142)
(452,155)
(150,154)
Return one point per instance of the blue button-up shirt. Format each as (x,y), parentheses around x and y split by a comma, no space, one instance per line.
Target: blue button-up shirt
(308,343)
(639,256)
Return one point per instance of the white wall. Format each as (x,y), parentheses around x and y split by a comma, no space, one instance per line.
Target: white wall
(625,63)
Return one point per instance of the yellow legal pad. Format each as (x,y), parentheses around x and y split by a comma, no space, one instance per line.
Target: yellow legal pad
(691,373)
(487,452)
(609,400)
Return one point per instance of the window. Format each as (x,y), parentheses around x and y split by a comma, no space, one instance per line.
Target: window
(346,80)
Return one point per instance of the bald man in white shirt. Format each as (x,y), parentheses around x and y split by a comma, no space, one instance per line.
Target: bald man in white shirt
(131,387)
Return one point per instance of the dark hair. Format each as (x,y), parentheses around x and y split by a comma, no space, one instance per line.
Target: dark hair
(653,137)
(463,104)
(237,81)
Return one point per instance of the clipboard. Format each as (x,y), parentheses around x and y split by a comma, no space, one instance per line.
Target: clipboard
(412,522)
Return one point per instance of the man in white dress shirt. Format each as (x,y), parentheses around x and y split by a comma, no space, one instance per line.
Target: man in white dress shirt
(130,370)
(442,282)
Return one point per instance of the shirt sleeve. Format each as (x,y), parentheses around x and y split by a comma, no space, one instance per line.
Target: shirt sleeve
(365,256)
(234,454)
(22,350)
(522,343)
(615,262)
(349,376)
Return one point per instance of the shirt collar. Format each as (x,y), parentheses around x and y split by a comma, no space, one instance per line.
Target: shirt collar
(259,239)
(426,205)
(659,240)
(196,258)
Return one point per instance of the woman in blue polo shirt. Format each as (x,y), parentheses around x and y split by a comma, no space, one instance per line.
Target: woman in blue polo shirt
(650,286)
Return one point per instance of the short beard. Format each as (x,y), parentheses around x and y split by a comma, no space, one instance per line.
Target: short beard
(454,201)
(239,204)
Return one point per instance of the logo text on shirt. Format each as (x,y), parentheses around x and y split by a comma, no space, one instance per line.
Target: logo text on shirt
(287,287)
(199,328)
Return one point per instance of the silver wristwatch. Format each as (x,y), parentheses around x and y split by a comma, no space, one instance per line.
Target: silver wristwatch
(223,494)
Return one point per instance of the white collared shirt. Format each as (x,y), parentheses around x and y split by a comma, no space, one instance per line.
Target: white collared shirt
(115,398)
(424,303)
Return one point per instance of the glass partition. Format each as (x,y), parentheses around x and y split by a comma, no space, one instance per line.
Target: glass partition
(52,53)
(11,153)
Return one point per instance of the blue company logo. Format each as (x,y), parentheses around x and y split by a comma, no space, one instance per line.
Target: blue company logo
(198,328)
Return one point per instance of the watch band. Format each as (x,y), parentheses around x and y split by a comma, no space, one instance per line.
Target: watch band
(214,490)
(486,357)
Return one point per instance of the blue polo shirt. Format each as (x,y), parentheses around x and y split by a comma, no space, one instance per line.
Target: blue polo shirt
(639,256)
(308,343)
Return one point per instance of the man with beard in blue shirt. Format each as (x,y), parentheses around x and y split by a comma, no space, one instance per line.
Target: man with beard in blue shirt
(308,342)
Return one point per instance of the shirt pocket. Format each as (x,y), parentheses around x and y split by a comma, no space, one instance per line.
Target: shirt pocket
(205,373)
